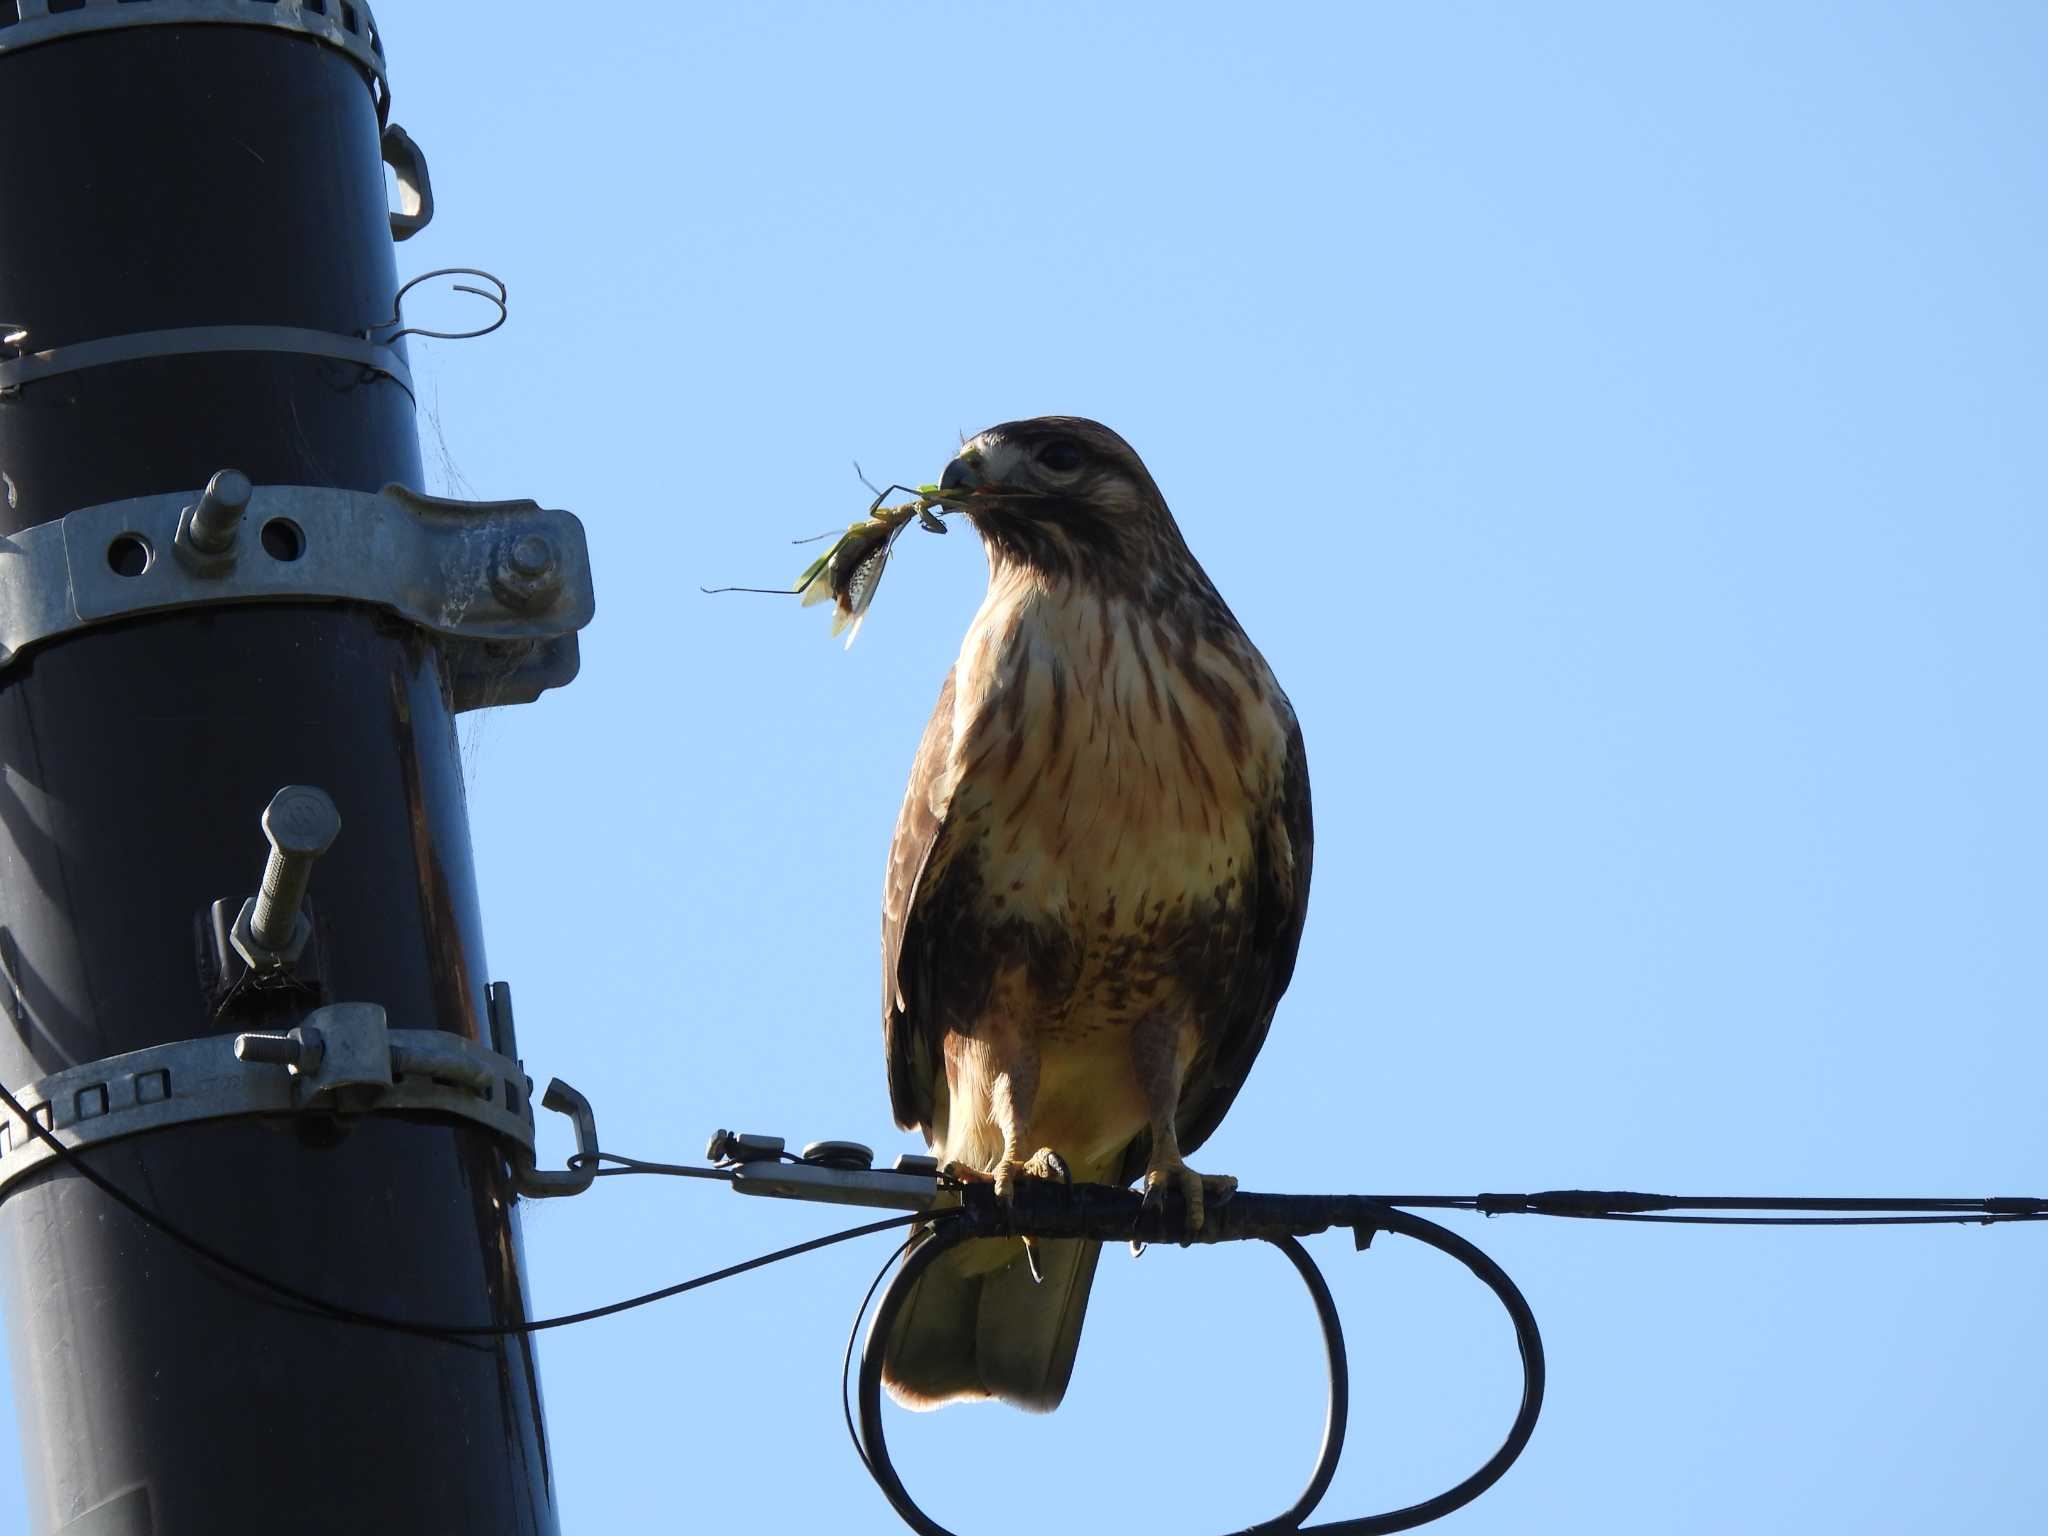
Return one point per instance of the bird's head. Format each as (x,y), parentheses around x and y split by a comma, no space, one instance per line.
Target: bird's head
(1064,496)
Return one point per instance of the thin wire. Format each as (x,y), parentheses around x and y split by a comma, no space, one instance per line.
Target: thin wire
(810,1246)
(1988,1219)
(447,1332)
(204,1250)
(583,1160)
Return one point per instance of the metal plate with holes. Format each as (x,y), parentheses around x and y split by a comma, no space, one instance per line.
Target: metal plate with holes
(192,1080)
(505,584)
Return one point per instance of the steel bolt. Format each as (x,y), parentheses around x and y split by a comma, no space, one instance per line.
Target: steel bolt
(219,513)
(532,556)
(527,571)
(278,1050)
(301,823)
(302,1049)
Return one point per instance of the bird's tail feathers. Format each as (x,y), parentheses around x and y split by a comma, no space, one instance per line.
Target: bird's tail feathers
(978,1327)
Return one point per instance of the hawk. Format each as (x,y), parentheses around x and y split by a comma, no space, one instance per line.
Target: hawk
(1095,892)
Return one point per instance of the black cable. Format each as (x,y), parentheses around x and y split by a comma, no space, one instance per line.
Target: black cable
(204,1250)
(1604,1205)
(1102,1214)
(1599,1205)
(809,1246)
(852,1337)
(448,1332)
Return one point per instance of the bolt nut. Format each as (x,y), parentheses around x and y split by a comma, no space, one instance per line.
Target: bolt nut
(526,570)
(259,956)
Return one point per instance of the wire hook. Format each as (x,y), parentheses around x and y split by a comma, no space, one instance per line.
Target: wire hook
(398,306)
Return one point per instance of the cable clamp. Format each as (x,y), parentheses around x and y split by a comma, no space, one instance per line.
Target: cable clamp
(502,586)
(341,1059)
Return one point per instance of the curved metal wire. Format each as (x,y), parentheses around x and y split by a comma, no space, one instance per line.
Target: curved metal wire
(398,306)
(872,1444)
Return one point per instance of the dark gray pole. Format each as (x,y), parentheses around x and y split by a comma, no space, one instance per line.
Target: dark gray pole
(225,170)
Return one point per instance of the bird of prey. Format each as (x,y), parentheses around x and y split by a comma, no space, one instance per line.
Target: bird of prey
(1095,893)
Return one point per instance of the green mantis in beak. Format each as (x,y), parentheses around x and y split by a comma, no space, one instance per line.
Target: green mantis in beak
(851,570)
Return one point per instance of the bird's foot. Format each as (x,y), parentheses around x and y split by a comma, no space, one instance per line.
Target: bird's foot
(1042,1164)
(1199,1190)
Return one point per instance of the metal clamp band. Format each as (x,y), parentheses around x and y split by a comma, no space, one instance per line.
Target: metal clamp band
(505,584)
(341,1058)
(189,340)
(347,26)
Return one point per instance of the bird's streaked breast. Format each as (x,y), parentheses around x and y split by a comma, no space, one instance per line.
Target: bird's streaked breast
(1112,762)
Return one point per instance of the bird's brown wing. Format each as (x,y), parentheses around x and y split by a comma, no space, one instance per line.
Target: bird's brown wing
(910,1033)
(1233,1025)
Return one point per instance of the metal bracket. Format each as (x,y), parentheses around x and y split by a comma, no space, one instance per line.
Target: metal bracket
(188,341)
(340,1058)
(504,584)
(415,209)
(350,28)
(835,1172)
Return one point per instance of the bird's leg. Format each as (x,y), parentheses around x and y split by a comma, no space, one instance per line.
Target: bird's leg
(1010,1104)
(1160,1051)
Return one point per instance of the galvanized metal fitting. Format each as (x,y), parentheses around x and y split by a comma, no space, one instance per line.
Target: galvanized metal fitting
(342,1057)
(295,1048)
(526,570)
(272,928)
(502,586)
(739,1147)
(207,529)
(348,27)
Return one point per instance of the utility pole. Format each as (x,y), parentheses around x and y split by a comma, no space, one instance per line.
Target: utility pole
(217,626)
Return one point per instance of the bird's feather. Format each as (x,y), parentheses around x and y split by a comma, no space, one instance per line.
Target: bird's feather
(1095,894)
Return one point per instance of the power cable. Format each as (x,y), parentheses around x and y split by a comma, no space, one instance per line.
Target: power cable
(1047,1209)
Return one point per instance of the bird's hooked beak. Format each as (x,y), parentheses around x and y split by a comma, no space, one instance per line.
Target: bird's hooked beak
(965,473)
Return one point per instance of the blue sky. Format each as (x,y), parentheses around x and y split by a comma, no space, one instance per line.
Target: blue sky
(1620,427)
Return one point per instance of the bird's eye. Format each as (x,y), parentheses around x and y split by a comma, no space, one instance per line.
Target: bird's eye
(1060,456)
